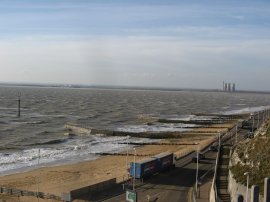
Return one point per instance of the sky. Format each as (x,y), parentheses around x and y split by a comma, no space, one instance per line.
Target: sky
(152,43)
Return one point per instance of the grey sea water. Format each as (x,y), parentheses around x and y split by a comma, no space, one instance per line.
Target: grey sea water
(46,110)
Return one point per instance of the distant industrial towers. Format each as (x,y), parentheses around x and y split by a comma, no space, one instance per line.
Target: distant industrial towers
(228,87)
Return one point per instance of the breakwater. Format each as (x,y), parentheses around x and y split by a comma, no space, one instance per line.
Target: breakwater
(82,130)
(198,126)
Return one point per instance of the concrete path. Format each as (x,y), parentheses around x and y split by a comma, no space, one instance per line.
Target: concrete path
(204,191)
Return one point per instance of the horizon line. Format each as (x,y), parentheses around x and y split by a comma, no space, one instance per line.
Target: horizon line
(123,87)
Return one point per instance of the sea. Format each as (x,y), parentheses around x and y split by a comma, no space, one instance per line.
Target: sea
(38,137)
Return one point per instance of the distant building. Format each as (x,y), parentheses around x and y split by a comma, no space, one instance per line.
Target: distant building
(226,87)
(229,87)
(233,87)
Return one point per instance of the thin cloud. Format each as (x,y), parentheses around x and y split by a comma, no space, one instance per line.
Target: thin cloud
(134,61)
(238,17)
(155,42)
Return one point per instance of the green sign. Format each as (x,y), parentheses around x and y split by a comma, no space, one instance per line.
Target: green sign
(131,196)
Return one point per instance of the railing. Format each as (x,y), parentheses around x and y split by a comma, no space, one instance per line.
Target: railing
(229,135)
(214,186)
(213,193)
(18,193)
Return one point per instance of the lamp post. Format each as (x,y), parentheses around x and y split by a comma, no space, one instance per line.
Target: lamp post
(127,158)
(236,134)
(134,165)
(219,140)
(247,174)
(199,185)
(197,169)
(252,115)
(258,122)
(38,178)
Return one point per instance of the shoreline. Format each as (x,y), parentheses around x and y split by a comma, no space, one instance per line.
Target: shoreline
(76,175)
(61,179)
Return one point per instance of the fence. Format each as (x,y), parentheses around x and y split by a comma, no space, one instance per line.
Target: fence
(18,193)
(92,189)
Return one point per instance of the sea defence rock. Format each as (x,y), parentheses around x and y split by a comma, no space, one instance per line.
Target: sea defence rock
(79,130)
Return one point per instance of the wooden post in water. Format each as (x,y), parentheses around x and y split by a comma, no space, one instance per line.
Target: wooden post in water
(19,105)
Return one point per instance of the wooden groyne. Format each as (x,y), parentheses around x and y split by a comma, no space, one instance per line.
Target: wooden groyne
(224,116)
(195,122)
(215,119)
(82,130)
(200,127)
(158,143)
(120,154)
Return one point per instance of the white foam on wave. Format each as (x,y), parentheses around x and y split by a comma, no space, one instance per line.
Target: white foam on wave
(245,110)
(193,118)
(155,128)
(185,118)
(12,108)
(74,150)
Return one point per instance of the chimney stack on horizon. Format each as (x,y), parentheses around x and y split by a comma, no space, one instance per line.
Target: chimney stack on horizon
(229,87)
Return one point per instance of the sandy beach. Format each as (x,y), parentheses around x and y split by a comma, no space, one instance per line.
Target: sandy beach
(62,179)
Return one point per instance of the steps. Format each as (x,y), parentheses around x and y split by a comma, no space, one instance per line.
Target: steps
(225,197)
(222,174)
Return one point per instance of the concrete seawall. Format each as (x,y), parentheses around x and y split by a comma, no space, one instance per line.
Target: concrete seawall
(92,189)
(235,189)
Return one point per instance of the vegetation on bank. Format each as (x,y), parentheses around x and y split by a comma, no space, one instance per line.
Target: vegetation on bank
(253,156)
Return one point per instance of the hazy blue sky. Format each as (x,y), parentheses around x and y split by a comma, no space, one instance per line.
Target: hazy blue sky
(165,43)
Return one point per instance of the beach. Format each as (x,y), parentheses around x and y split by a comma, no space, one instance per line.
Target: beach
(62,179)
